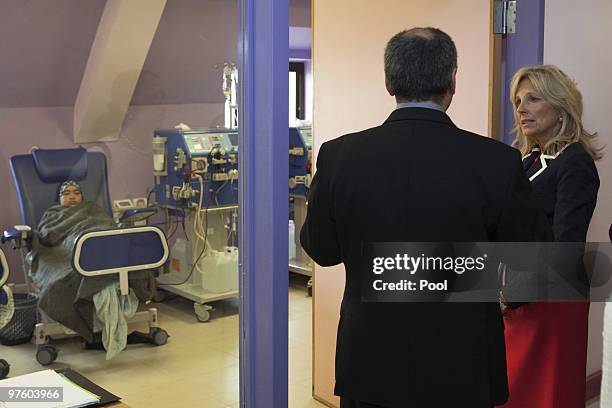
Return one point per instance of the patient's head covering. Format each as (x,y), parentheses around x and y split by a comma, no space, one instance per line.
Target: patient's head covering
(70,194)
(66,184)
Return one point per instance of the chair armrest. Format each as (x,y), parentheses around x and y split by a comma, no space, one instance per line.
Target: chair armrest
(137,214)
(119,250)
(18,235)
(4,270)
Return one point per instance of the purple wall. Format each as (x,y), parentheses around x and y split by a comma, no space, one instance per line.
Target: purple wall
(192,38)
(40,38)
(185,62)
(49,37)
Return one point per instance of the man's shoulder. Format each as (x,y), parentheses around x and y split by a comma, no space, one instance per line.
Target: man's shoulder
(336,143)
(483,145)
(470,142)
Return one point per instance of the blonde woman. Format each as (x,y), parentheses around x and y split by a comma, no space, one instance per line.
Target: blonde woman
(547,341)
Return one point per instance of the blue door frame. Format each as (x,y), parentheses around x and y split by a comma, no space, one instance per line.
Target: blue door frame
(525,47)
(263,67)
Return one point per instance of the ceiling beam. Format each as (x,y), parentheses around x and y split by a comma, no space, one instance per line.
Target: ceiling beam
(118,53)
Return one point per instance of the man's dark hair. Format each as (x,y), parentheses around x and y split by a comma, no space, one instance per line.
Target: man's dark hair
(419,64)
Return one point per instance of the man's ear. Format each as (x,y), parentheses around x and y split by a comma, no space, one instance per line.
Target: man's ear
(389,89)
(453,82)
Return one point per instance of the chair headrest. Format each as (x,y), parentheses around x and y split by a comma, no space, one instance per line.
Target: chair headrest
(54,166)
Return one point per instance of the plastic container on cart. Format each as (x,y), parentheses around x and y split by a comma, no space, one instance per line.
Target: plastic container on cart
(220,270)
(291,239)
(181,258)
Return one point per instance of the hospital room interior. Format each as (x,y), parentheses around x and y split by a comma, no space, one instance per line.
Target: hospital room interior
(142,127)
(109,144)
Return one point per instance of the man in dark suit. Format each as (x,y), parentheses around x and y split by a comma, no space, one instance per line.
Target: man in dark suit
(417,178)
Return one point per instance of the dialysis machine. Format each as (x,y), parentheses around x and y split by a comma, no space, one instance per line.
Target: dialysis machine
(196,182)
(300,158)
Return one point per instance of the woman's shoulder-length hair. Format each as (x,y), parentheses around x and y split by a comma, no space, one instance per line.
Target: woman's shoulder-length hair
(558,89)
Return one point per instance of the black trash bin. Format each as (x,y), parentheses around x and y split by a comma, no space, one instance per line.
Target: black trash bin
(21,327)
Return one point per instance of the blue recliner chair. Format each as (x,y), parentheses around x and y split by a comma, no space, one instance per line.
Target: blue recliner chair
(4,273)
(37,177)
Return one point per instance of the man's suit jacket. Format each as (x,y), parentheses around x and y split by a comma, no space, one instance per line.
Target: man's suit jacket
(417,178)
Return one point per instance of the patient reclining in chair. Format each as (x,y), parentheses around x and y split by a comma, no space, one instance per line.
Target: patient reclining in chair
(66,296)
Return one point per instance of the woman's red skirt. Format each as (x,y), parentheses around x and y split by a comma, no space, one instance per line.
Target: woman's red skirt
(546,347)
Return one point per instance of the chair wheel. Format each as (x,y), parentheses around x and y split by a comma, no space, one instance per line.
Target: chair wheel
(159,337)
(203,316)
(46,355)
(202,312)
(5,367)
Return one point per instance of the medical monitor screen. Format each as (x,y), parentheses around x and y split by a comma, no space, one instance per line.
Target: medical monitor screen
(196,144)
(306,132)
(202,143)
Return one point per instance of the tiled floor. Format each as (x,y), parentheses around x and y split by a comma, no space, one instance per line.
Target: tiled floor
(199,365)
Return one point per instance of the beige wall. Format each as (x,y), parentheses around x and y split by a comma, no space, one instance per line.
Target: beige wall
(583,52)
(349,95)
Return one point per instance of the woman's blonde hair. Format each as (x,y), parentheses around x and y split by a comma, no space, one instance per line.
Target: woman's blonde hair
(561,92)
